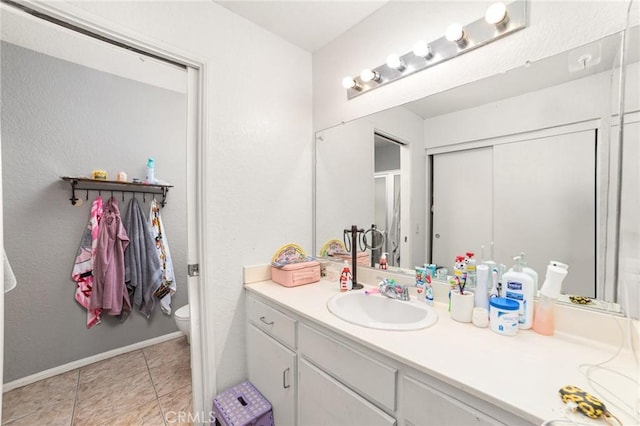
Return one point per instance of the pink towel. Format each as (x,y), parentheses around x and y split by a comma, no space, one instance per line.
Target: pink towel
(109,290)
(82,272)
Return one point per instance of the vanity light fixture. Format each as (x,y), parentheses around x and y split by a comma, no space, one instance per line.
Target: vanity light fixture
(499,21)
(350,83)
(394,61)
(497,14)
(368,75)
(456,34)
(422,49)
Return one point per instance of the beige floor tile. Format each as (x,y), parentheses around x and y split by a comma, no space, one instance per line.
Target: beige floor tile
(114,369)
(55,415)
(99,399)
(146,414)
(177,406)
(167,352)
(57,391)
(169,377)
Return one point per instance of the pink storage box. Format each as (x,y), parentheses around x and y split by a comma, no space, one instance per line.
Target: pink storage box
(295,274)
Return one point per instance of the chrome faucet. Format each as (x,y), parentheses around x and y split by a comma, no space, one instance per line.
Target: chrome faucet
(392,290)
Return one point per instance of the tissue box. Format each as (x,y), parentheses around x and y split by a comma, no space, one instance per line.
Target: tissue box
(295,274)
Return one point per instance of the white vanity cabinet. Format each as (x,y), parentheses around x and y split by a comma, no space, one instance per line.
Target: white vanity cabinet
(339,381)
(271,358)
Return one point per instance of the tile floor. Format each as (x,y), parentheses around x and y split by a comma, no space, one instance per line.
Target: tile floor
(149,386)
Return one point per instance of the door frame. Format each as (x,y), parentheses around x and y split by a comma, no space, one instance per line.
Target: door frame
(202,330)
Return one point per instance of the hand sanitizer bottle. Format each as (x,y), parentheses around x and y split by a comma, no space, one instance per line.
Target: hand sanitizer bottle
(543,319)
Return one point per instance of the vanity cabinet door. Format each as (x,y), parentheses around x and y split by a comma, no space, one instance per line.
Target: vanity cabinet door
(272,370)
(325,401)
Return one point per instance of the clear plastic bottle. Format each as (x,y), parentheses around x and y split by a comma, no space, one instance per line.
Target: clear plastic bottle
(543,318)
(151,172)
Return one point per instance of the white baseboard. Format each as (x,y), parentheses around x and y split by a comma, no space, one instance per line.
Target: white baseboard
(18,383)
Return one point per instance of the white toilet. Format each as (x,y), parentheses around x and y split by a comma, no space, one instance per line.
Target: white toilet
(183,321)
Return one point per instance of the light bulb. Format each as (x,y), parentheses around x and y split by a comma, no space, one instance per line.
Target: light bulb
(422,49)
(496,14)
(368,75)
(349,83)
(394,61)
(455,33)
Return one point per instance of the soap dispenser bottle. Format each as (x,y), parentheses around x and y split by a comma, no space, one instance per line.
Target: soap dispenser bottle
(527,270)
(543,319)
(519,286)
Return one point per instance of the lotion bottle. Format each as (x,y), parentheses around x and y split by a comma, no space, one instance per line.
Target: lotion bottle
(520,260)
(543,319)
(519,286)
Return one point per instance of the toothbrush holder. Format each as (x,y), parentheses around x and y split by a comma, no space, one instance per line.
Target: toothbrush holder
(462,306)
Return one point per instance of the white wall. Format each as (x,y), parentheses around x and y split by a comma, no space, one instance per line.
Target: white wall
(259,145)
(554,26)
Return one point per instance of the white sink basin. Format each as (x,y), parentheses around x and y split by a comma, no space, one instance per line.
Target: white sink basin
(381,312)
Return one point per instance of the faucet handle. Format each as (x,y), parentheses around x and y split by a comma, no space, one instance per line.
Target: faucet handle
(405,293)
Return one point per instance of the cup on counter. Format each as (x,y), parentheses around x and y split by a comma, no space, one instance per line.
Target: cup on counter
(462,306)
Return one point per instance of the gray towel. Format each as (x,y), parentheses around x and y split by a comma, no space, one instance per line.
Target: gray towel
(143,272)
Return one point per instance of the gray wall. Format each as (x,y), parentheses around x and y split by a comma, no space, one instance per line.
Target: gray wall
(63,119)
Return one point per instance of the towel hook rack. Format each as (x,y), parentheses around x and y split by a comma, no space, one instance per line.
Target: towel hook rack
(83,183)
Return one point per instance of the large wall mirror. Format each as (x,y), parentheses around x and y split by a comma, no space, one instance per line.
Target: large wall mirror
(525,161)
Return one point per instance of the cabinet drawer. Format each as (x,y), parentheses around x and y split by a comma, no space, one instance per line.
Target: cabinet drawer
(424,404)
(371,378)
(272,321)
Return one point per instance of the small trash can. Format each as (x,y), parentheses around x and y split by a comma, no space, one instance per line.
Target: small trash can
(242,405)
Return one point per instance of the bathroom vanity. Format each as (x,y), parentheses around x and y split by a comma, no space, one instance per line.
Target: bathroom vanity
(317,369)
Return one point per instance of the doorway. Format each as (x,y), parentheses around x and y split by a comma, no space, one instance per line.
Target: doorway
(387,193)
(78,155)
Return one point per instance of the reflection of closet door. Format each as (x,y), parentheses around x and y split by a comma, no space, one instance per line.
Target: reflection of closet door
(544,190)
(628,290)
(462,204)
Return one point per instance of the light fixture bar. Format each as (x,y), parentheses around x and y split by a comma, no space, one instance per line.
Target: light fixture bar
(476,34)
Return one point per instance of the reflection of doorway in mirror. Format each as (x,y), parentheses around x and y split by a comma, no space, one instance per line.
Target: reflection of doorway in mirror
(387,197)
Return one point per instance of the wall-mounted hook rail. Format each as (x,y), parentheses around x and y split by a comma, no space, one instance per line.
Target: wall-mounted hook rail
(78,183)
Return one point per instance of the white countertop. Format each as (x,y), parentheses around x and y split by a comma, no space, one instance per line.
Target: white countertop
(521,374)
